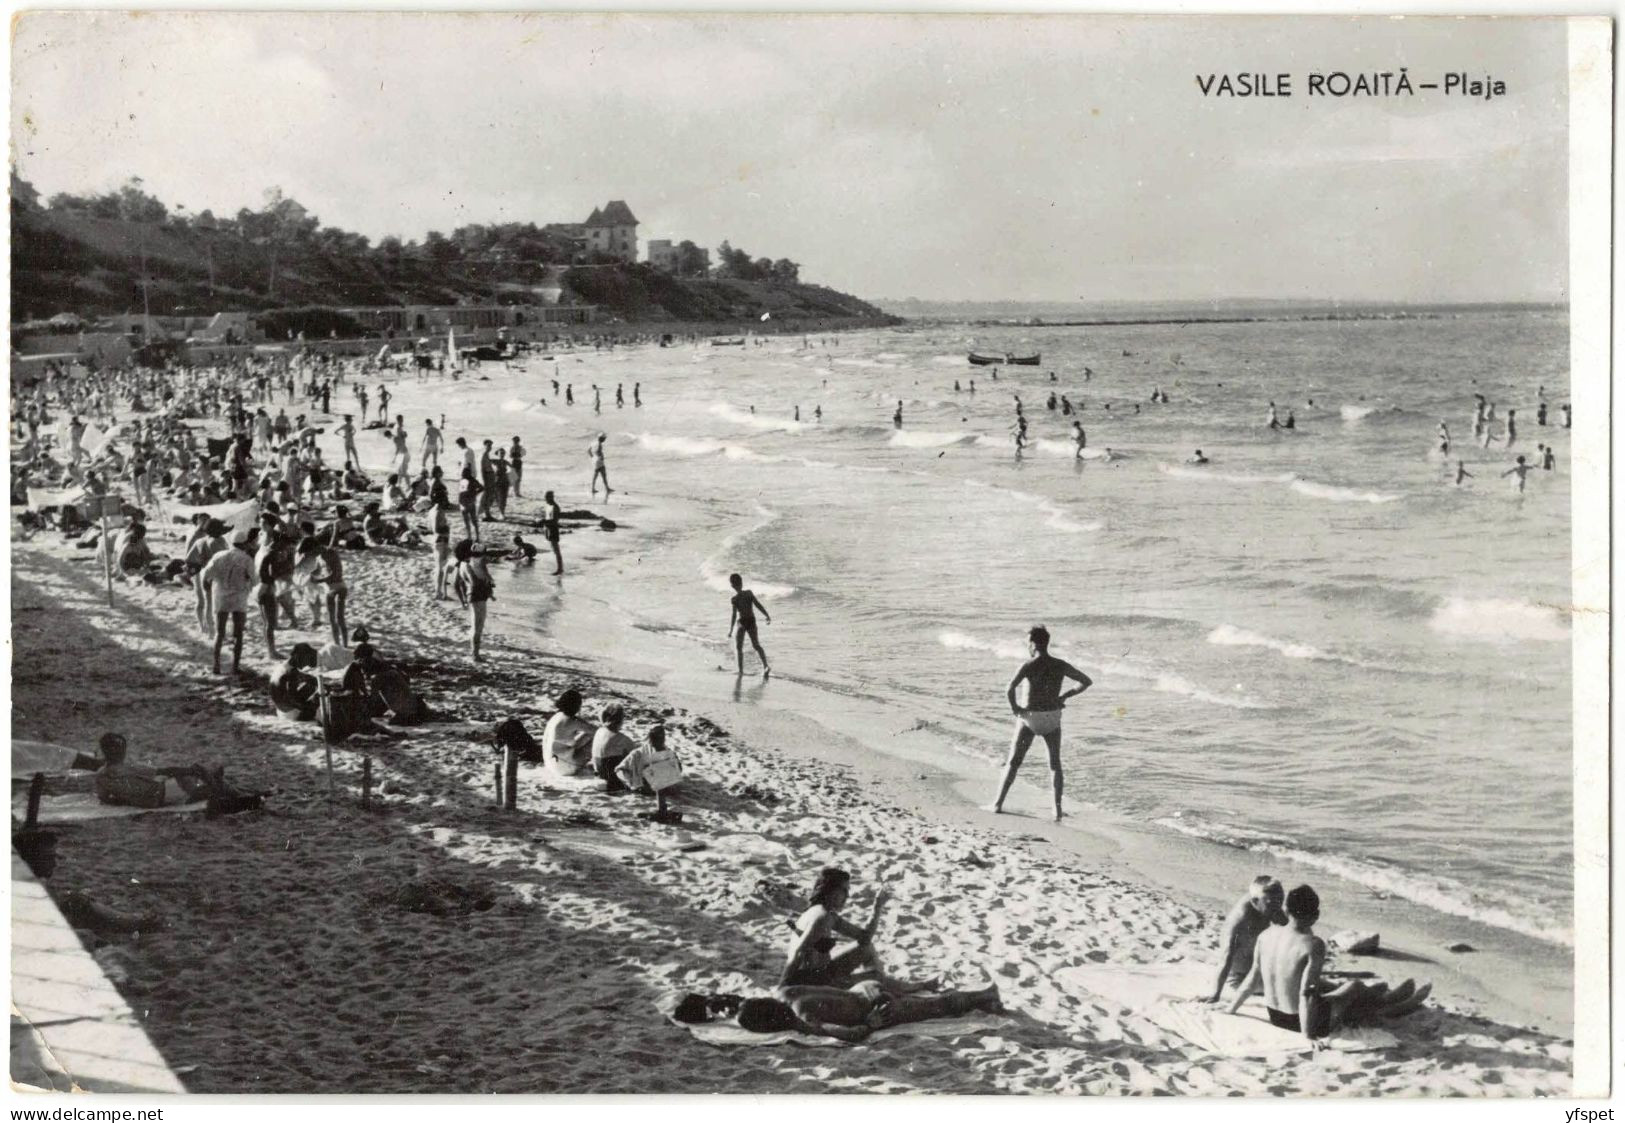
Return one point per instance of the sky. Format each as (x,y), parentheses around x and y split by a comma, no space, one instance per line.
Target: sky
(941,157)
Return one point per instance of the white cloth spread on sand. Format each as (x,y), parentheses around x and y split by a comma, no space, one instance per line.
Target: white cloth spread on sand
(1042,722)
(29,757)
(1165,995)
(80,807)
(726,1033)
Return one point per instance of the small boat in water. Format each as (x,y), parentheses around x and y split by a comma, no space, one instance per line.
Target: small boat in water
(984,360)
(1023,360)
(740,342)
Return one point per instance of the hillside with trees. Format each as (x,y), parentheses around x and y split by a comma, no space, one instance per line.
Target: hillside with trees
(126,251)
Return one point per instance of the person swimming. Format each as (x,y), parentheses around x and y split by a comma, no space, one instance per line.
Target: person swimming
(1197,458)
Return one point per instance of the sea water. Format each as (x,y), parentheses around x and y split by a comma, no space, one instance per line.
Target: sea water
(1317,646)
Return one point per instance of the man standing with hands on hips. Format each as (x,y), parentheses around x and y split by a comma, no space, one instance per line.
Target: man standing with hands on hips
(1041,716)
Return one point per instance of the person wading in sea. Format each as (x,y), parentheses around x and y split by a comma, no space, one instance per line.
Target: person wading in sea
(1041,716)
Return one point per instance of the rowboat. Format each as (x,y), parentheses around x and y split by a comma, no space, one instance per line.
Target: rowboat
(984,360)
(1023,360)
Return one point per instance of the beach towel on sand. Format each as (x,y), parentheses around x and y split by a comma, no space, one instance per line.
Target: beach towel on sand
(726,1033)
(80,807)
(1163,994)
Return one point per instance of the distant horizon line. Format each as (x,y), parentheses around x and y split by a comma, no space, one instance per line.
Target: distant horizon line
(1232,301)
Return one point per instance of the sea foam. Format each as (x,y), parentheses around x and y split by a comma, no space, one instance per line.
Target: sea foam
(1228,635)
(1499,621)
(1339,494)
(744,417)
(922,438)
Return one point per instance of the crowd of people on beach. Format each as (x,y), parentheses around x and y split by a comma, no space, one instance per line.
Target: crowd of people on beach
(272,526)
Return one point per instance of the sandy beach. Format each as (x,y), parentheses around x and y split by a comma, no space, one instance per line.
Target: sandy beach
(286,962)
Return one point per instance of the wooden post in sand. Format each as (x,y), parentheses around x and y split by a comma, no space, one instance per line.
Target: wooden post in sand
(328,747)
(510,768)
(366,781)
(36,789)
(107,559)
(496,775)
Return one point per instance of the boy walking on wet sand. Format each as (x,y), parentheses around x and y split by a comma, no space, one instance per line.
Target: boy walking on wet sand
(1041,716)
(745,606)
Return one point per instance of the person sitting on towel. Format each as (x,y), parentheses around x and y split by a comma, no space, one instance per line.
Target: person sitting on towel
(847,1015)
(567,740)
(811,963)
(1289,960)
(1250,916)
(293,689)
(610,747)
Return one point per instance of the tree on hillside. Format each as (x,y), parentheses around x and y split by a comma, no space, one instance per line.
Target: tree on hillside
(23,195)
(389,252)
(135,205)
(690,260)
(441,250)
(786,270)
(280,223)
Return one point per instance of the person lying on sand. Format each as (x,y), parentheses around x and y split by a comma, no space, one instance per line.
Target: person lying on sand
(847,1015)
(1289,960)
(122,784)
(812,960)
(1250,916)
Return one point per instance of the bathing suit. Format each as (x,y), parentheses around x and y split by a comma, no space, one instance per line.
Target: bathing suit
(1320,1027)
(1042,722)
(742,601)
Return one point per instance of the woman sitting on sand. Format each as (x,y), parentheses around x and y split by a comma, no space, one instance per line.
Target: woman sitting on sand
(567,740)
(811,962)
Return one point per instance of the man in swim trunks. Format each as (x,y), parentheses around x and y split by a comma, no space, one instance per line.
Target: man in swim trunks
(1044,675)
(745,604)
(1288,960)
(1250,916)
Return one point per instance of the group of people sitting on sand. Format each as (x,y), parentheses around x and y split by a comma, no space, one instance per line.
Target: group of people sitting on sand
(572,747)
(359,672)
(833,984)
(1268,942)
